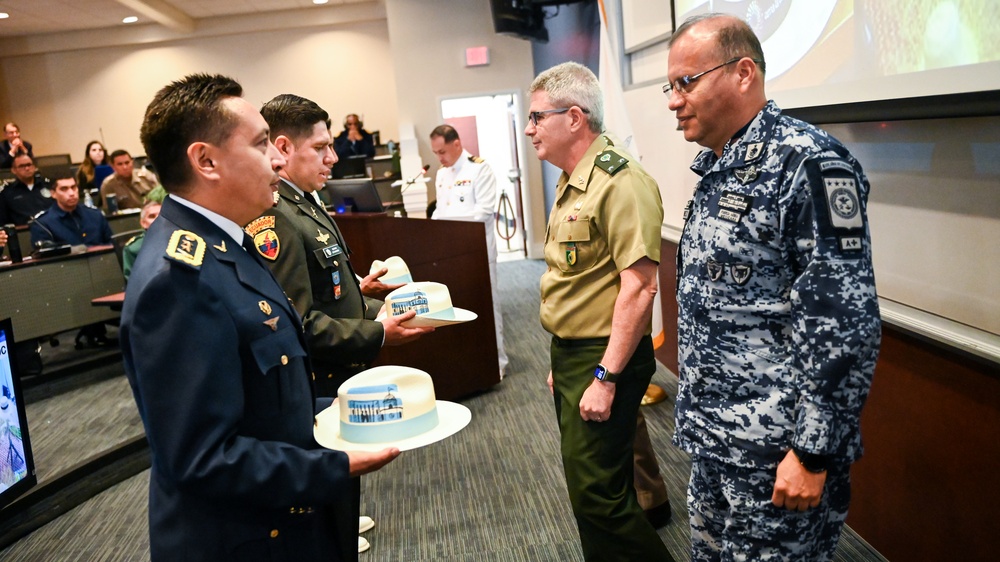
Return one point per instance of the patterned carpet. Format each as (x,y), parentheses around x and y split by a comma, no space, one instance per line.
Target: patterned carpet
(494,491)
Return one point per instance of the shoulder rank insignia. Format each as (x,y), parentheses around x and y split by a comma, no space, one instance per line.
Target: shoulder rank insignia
(476,160)
(187,248)
(610,162)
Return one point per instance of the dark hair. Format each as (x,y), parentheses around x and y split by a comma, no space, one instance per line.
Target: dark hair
(184,112)
(734,39)
(22,154)
(117,153)
(63,173)
(85,173)
(447,132)
(293,116)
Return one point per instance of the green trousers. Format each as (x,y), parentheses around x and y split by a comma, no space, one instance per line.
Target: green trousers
(597,456)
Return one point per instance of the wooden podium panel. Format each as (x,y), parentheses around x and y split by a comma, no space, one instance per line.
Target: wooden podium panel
(462,358)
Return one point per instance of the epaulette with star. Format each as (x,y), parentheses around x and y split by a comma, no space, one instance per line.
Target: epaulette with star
(610,162)
(476,160)
(187,248)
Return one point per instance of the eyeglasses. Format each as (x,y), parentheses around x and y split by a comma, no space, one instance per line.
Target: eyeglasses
(24,166)
(682,84)
(536,116)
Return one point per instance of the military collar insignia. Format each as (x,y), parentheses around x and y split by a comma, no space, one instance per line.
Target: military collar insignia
(221,246)
(754,150)
(186,247)
(277,197)
(323,237)
(265,307)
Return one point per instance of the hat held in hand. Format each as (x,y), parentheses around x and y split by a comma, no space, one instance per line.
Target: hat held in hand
(388,406)
(398,271)
(432,303)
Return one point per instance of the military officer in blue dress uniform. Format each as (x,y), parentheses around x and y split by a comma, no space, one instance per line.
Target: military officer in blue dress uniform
(779,320)
(215,355)
(68,222)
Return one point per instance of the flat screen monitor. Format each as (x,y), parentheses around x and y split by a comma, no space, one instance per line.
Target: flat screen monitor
(350,167)
(355,196)
(17,466)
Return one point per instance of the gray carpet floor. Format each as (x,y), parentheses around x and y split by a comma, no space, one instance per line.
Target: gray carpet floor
(494,491)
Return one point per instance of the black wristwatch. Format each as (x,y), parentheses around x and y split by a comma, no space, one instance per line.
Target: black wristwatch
(602,373)
(812,462)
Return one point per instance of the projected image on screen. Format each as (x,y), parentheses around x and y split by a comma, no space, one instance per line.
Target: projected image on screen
(13,466)
(841,51)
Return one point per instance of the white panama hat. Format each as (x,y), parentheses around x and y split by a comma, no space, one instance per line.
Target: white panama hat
(388,406)
(431,301)
(398,270)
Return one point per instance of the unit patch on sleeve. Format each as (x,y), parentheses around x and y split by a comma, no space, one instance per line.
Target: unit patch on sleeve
(842,198)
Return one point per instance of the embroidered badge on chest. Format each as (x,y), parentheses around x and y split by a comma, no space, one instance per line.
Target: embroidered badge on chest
(740,272)
(746,175)
(732,206)
(571,253)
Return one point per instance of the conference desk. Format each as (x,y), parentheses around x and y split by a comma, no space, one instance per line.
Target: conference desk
(122,221)
(53,295)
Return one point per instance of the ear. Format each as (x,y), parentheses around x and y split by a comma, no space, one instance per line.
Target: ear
(203,160)
(747,72)
(284,145)
(577,119)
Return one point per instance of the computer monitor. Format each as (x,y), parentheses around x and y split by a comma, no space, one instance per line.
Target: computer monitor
(17,466)
(356,196)
(350,167)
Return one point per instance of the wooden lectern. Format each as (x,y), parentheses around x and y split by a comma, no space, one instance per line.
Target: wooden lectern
(461,358)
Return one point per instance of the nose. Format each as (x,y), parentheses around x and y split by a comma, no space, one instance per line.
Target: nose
(675,101)
(330,157)
(277,160)
(529,129)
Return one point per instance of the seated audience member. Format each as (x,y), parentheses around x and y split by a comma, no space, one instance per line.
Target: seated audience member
(354,140)
(150,211)
(68,222)
(93,156)
(13,145)
(128,185)
(26,195)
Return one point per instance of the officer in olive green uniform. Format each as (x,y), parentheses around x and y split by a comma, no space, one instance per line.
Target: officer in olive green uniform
(602,247)
(302,245)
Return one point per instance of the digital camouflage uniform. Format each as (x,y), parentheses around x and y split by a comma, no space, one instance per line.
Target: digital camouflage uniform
(779,332)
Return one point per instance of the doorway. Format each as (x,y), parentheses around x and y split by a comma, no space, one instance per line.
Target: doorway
(488,127)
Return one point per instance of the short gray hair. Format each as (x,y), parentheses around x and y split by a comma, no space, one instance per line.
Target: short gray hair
(569,84)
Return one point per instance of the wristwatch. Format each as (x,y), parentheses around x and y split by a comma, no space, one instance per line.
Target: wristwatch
(812,462)
(602,373)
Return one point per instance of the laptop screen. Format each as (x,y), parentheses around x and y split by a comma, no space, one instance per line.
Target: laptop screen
(17,467)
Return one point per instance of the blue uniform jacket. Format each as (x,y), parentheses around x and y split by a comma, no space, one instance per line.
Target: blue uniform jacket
(779,323)
(218,367)
(82,226)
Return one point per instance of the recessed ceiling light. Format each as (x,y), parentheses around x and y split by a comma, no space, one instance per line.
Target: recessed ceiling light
(320,2)
(130,19)
(4,15)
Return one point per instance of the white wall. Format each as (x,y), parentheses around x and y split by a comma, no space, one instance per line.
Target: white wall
(428,41)
(96,82)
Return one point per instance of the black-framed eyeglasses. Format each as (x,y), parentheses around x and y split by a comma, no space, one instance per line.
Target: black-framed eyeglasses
(682,84)
(535,116)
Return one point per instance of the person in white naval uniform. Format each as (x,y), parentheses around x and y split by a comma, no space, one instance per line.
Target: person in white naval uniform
(467,191)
